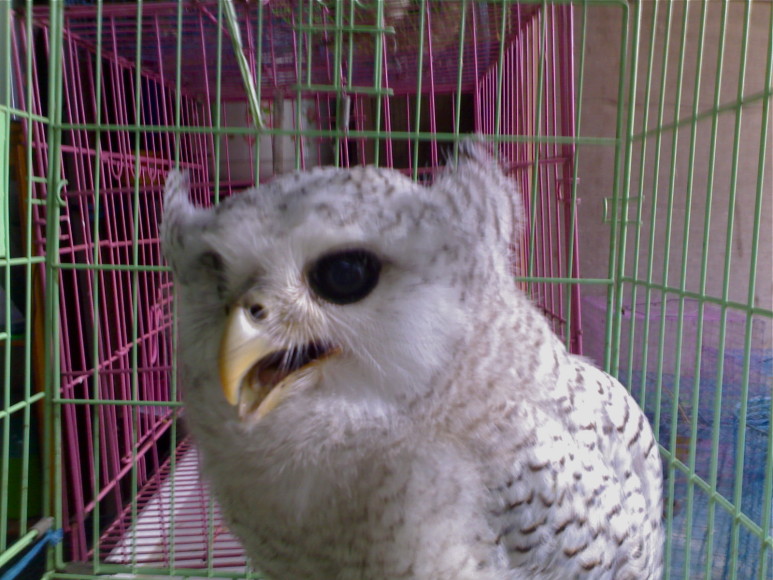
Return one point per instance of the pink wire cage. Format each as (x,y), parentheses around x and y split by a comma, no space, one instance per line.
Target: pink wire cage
(129,117)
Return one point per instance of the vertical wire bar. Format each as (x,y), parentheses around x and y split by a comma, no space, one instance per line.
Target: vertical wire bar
(621,166)
(664,302)
(555,246)
(72,357)
(351,103)
(361,119)
(741,441)
(163,89)
(409,142)
(228,176)
(337,63)
(678,334)
(419,80)
(497,97)
(378,76)
(572,120)
(653,223)
(258,84)
(478,104)
(7,339)
(540,32)
(696,386)
(6,306)
(218,133)
(752,277)
(118,419)
(717,405)
(78,356)
(226,10)
(431,96)
(546,171)
(174,396)
(178,88)
(29,286)
(52,359)
(569,153)
(459,79)
(701,305)
(134,292)
(202,144)
(6,105)
(96,279)
(767,505)
(308,38)
(637,244)
(526,46)
(49,480)
(675,405)
(542,224)
(389,145)
(173,377)
(32,130)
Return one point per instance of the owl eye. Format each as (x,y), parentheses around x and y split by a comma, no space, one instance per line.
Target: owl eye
(345,277)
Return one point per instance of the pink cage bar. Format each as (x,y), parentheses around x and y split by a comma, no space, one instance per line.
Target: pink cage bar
(130,490)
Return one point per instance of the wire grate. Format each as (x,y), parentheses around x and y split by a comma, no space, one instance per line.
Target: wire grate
(637,131)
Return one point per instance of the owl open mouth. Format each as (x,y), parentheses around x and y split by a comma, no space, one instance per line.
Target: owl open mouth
(273,368)
(264,384)
(256,372)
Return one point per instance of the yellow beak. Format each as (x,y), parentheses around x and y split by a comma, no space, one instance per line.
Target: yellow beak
(242,345)
(254,386)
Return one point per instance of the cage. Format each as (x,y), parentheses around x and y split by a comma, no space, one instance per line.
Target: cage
(637,131)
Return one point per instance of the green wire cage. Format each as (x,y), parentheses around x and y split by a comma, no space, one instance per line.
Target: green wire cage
(639,132)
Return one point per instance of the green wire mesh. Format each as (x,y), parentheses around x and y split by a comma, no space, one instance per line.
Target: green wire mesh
(673,167)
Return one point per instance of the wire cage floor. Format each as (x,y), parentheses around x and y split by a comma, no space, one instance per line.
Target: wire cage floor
(638,133)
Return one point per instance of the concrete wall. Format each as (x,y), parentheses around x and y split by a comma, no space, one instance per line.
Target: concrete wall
(277,152)
(689,178)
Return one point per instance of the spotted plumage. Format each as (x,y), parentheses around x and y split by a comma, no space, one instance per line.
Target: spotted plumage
(374,399)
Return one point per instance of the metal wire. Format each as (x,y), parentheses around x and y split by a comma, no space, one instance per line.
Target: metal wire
(658,113)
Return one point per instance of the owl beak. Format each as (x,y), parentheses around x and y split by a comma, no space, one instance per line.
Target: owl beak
(255,372)
(241,347)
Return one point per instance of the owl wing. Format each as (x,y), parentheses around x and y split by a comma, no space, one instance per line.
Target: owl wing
(582,497)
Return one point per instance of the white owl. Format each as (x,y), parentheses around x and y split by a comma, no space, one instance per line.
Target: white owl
(374,399)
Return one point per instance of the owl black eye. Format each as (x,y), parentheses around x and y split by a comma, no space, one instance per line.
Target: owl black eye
(345,277)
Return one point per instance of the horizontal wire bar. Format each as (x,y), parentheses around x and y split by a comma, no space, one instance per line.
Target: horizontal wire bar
(718,498)
(559,280)
(700,297)
(108,402)
(113,267)
(332,133)
(147,571)
(344,28)
(349,89)
(14,112)
(18,547)
(688,121)
(21,405)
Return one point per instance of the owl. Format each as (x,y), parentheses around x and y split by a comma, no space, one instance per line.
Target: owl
(374,398)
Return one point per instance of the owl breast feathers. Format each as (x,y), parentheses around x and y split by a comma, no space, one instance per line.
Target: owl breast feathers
(374,399)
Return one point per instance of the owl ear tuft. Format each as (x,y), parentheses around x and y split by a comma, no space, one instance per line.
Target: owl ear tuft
(486,197)
(475,149)
(176,195)
(180,217)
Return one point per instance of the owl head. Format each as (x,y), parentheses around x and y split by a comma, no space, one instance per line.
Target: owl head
(351,286)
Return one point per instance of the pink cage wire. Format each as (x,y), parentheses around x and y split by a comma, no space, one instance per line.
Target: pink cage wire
(121,104)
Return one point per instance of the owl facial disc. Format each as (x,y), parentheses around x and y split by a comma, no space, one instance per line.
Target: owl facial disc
(255,373)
